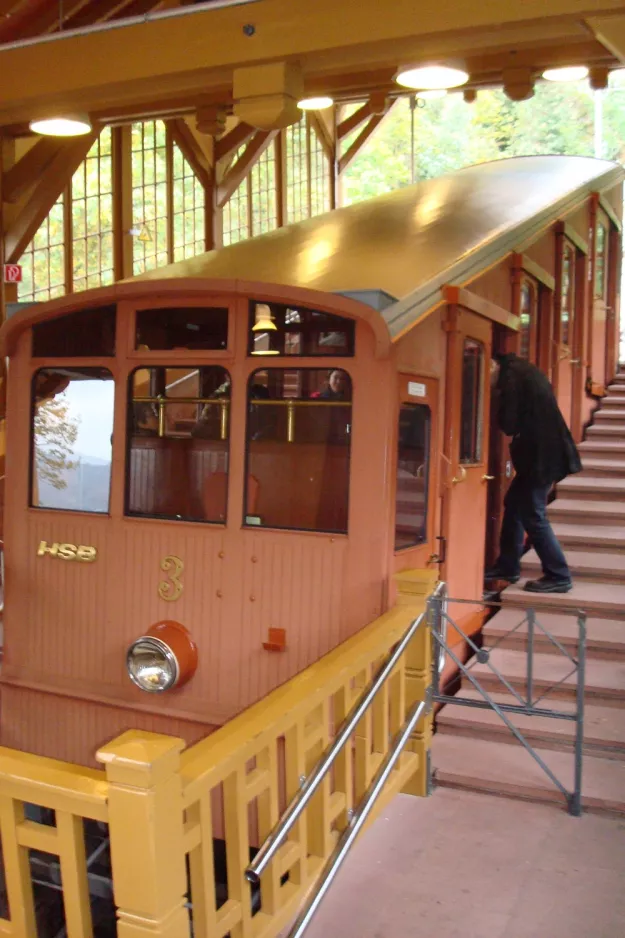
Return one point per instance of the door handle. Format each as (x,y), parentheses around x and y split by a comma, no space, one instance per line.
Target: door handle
(487,478)
(463,475)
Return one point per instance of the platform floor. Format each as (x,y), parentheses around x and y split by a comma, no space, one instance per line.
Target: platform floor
(464,865)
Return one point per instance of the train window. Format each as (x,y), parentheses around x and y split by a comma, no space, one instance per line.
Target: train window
(528,310)
(472,402)
(72,427)
(275,329)
(88,333)
(298,449)
(177,454)
(183,327)
(413,455)
(601,250)
(567,294)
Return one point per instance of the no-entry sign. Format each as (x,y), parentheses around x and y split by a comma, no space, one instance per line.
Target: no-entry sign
(12,273)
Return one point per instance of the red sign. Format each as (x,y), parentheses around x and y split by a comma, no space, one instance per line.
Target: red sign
(12,273)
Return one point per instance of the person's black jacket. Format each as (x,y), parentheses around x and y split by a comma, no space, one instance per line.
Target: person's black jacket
(542,448)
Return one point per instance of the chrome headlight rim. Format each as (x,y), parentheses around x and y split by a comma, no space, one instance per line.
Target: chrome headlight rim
(158,645)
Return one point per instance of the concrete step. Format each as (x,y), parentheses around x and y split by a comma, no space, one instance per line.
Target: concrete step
(609,413)
(610,429)
(584,511)
(602,448)
(614,400)
(603,467)
(554,676)
(486,766)
(604,727)
(599,566)
(605,638)
(601,537)
(592,487)
(603,600)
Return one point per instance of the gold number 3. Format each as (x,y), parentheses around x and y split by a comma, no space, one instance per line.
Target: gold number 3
(171,589)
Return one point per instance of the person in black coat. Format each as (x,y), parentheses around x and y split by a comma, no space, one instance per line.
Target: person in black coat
(543,453)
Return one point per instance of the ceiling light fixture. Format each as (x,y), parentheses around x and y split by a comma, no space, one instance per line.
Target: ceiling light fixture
(431,77)
(432,94)
(315,104)
(569,73)
(66,125)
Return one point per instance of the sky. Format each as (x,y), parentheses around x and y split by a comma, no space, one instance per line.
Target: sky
(91,403)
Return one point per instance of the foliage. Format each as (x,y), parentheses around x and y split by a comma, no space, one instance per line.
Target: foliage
(55,433)
(449,134)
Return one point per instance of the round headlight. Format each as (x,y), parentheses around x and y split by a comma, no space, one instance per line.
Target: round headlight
(162,658)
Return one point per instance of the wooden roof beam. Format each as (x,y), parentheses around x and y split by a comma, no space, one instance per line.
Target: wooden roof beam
(352,152)
(261,140)
(191,150)
(46,192)
(610,31)
(24,174)
(231,141)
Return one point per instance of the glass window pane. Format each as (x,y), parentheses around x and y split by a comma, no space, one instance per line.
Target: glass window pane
(528,316)
(472,402)
(298,449)
(72,438)
(600,261)
(411,498)
(567,294)
(178,429)
(283,330)
(182,327)
(87,333)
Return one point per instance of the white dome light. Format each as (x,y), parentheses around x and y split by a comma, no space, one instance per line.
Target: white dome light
(73,125)
(431,77)
(315,104)
(570,73)
(432,94)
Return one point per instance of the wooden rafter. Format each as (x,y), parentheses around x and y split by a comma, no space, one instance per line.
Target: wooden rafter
(104,10)
(253,151)
(24,174)
(230,142)
(323,135)
(192,151)
(370,127)
(137,7)
(354,121)
(48,19)
(47,190)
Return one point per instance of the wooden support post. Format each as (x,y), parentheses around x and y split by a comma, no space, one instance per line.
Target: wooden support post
(147,834)
(413,589)
(122,202)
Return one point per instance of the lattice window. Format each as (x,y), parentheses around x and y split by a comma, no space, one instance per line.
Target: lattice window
(319,176)
(189,233)
(43,261)
(92,217)
(149,196)
(236,216)
(262,192)
(297,172)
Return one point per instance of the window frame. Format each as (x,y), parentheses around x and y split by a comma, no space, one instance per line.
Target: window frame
(83,309)
(413,404)
(128,401)
(567,248)
(602,223)
(478,422)
(253,301)
(194,357)
(532,333)
(74,363)
(312,365)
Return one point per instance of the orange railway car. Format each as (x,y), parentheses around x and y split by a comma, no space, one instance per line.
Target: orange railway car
(215,470)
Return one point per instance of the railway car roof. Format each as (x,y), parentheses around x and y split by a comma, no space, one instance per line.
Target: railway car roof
(396,252)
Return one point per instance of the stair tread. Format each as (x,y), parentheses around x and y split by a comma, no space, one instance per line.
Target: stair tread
(602,725)
(602,446)
(592,484)
(562,626)
(588,533)
(600,598)
(601,563)
(601,675)
(604,508)
(609,428)
(491,766)
(597,462)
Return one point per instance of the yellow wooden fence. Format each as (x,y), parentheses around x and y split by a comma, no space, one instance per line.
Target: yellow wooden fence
(165,805)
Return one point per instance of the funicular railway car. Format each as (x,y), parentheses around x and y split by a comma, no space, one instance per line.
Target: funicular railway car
(215,470)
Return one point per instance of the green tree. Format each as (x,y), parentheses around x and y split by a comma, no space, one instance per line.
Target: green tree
(55,433)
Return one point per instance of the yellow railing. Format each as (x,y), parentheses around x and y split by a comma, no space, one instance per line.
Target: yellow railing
(164,806)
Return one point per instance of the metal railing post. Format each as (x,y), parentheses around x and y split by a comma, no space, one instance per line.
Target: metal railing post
(576,801)
(531,622)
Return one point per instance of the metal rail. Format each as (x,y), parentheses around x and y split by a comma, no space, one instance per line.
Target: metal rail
(310,785)
(357,822)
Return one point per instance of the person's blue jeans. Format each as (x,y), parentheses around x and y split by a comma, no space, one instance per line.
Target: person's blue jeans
(525,510)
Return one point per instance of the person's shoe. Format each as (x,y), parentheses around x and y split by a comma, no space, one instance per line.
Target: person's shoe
(547,585)
(496,574)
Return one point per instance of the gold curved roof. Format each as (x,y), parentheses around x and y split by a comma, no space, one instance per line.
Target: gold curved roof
(411,242)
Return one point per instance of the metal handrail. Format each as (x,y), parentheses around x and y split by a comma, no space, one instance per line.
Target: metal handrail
(357,822)
(310,785)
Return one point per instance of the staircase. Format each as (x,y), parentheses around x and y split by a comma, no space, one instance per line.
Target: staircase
(473,749)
